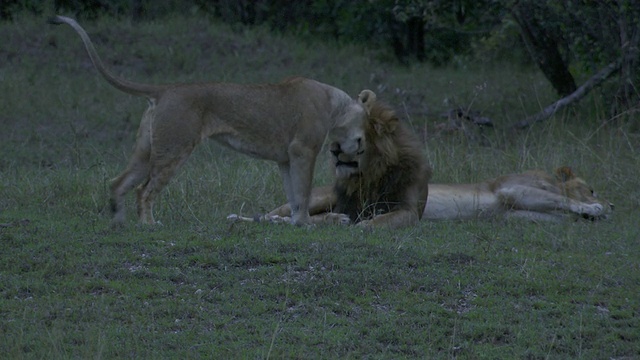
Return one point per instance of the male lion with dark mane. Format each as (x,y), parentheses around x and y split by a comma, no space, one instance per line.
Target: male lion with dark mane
(286,122)
(387,186)
(533,195)
(387,169)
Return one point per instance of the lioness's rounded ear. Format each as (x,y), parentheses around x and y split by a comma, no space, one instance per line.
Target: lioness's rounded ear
(367,98)
(565,173)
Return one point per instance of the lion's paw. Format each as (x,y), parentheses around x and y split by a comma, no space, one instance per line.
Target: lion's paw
(337,218)
(593,209)
(365,224)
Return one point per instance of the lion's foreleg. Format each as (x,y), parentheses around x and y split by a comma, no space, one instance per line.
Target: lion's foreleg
(323,200)
(536,216)
(393,219)
(282,210)
(528,198)
(260,218)
(331,218)
(409,210)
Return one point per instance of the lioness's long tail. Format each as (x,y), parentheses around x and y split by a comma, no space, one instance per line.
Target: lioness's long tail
(149,91)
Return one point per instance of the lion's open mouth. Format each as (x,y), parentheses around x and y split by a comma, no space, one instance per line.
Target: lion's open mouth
(345,165)
(351,164)
(346,169)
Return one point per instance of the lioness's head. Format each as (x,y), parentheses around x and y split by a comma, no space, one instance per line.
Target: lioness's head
(381,148)
(578,189)
(348,136)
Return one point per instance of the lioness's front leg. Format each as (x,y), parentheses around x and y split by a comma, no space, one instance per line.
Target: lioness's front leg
(408,212)
(302,160)
(288,189)
(298,205)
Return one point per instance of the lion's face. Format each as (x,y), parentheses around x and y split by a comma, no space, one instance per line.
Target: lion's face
(578,189)
(379,151)
(348,136)
(345,164)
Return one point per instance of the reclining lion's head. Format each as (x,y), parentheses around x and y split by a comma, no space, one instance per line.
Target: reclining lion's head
(578,189)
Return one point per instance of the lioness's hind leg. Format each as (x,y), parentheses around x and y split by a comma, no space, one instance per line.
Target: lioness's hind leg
(119,188)
(161,172)
(136,172)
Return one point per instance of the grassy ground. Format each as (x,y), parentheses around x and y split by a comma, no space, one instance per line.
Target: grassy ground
(199,287)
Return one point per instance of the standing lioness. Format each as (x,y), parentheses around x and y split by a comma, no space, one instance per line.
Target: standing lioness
(286,122)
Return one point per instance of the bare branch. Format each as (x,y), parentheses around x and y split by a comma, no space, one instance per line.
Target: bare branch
(583,90)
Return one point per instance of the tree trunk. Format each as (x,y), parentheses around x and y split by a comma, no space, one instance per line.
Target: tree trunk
(137,10)
(407,39)
(415,37)
(543,49)
(627,93)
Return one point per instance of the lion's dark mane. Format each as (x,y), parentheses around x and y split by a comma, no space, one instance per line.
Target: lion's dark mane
(394,161)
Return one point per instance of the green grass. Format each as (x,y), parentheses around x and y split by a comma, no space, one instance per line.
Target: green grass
(200,287)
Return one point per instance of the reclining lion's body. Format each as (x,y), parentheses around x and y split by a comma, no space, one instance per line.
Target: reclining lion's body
(534,195)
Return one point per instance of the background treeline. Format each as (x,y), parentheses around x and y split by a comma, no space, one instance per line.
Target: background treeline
(568,40)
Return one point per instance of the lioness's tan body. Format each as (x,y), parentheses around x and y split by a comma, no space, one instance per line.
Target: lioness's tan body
(286,123)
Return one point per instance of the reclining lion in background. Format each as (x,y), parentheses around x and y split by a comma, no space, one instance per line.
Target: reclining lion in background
(533,195)
(387,187)
(286,122)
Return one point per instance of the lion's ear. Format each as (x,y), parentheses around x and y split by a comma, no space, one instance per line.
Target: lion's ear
(565,173)
(386,124)
(367,98)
